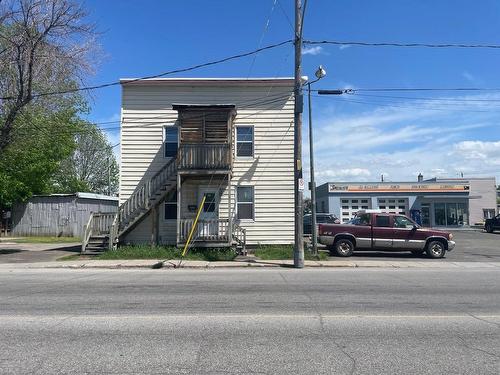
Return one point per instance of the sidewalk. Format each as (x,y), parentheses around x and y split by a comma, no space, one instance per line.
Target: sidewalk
(190,264)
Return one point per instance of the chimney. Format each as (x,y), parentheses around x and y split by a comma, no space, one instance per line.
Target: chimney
(420,178)
(382,178)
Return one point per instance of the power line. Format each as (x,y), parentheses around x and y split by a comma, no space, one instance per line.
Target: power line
(182,70)
(397,44)
(385,104)
(430,99)
(425,89)
(266,27)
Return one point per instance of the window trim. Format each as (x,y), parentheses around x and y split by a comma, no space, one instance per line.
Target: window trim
(164,139)
(236,141)
(237,203)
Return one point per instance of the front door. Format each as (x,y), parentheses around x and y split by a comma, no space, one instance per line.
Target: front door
(406,235)
(208,225)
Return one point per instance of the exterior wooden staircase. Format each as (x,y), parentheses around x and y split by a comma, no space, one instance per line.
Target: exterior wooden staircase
(103,230)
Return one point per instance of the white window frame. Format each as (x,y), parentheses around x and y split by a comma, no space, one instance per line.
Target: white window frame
(164,138)
(253,203)
(236,141)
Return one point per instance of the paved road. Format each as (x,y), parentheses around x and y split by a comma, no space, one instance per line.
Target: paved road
(11,252)
(471,246)
(272,321)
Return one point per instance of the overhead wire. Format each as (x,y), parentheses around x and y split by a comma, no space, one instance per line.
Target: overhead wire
(266,27)
(170,72)
(400,44)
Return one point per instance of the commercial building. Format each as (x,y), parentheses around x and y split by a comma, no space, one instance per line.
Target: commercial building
(436,202)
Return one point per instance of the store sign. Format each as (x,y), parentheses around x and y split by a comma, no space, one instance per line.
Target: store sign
(395,188)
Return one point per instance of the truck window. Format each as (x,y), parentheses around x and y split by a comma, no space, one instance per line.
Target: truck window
(363,219)
(382,221)
(402,222)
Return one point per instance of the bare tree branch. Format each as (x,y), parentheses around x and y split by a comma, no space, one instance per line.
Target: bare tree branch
(43,44)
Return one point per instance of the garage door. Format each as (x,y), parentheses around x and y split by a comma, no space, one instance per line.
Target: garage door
(394,205)
(349,207)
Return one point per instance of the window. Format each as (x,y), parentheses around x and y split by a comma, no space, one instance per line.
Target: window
(171,141)
(354,201)
(382,221)
(402,222)
(345,201)
(361,220)
(210,202)
(364,200)
(171,206)
(354,207)
(244,141)
(345,207)
(244,202)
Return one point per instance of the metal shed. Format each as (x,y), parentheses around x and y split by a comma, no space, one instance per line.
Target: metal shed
(58,214)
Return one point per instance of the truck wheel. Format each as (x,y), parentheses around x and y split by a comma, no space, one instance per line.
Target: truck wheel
(435,249)
(489,228)
(344,247)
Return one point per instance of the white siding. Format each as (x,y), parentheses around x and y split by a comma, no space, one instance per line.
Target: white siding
(146,109)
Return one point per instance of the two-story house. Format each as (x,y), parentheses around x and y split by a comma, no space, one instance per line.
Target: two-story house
(222,141)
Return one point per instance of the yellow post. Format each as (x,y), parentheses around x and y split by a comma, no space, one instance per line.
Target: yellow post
(193,227)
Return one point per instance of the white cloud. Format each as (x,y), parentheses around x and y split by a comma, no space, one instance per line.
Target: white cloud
(401,141)
(344,46)
(312,50)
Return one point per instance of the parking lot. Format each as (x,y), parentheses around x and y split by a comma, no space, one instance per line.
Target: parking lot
(471,246)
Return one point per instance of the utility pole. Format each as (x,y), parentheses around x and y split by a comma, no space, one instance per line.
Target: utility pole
(298,253)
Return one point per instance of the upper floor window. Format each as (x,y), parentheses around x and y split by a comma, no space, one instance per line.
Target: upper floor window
(244,141)
(171,141)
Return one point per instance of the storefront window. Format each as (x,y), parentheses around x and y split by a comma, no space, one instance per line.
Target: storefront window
(450,214)
(440,214)
(462,214)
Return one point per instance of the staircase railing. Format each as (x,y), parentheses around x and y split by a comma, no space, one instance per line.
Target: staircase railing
(240,236)
(98,224)
(141,198)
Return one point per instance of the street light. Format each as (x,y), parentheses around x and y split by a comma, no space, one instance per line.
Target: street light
(320,73)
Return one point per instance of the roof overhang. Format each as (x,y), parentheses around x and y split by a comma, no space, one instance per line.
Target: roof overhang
(200,82)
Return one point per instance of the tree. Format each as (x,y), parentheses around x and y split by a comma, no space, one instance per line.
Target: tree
(40,140)
(92,166)
(44,47)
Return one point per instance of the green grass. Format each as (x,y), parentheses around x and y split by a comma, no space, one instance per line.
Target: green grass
(40,239)
(168,252)
(280,252)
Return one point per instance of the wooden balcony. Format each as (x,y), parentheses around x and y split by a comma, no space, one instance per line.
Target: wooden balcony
(208,232)
(209,157)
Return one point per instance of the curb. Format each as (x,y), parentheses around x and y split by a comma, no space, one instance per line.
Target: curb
(150,264)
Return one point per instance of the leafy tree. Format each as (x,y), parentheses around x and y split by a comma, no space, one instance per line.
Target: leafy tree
(92,166)
(307,206)
(40,140)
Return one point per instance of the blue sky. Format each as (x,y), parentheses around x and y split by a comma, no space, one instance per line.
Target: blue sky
(357,137)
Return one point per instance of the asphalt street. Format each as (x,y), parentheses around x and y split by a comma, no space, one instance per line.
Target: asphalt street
(267,321)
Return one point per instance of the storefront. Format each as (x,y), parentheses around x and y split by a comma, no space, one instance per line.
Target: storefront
(432,203)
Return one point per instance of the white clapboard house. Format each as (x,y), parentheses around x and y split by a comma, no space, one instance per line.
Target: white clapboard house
(229,140)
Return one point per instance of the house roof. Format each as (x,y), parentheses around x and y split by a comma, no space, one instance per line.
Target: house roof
(264,81)
(81,195)
(177,106)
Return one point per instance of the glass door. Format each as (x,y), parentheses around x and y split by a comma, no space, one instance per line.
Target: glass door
(451,214)
(426,215)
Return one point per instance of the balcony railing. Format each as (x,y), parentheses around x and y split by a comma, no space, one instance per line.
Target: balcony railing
(207,230)
(204,157)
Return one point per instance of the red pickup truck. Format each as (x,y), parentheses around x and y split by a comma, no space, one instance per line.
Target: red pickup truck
(385,232)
